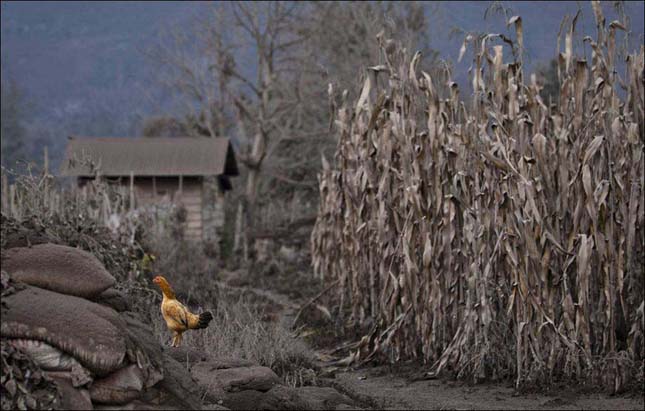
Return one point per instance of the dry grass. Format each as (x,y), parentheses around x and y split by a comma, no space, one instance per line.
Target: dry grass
(36,209)
(499,237)
(78,218)
(237,331)
(239,328)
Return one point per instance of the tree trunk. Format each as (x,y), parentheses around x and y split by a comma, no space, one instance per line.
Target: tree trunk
(239,234)
(251,192)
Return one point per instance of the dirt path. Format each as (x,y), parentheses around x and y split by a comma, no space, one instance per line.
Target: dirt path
(287,308)
(383,390)
(380,388)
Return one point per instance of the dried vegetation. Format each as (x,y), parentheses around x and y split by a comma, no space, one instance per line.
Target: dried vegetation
(497,237)
(23,384)
(36,210)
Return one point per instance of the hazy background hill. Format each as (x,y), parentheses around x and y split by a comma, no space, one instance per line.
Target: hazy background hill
(81,68)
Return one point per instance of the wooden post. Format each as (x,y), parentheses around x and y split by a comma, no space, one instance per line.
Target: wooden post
(106,209)
(131,190)
(237,239)
(46,187)
(12,200)
(46,160)
(154,203)
(55,202)
(5,193)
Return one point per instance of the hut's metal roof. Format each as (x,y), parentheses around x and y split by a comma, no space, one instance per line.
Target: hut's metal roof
(150,156)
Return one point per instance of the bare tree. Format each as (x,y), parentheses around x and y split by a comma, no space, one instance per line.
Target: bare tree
(163,126)
(341,36)
(260,71)
(235,69)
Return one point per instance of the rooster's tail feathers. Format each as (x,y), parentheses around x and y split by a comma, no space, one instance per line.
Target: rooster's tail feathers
(204,319)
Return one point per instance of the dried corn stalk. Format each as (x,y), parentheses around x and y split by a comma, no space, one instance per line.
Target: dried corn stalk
(498,238)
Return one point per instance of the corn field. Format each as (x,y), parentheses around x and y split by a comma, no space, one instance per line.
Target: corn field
(500,237)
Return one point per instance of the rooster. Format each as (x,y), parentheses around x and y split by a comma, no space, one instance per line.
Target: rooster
(178,318)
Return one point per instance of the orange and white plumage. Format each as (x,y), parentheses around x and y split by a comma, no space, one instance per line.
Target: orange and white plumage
(178,318)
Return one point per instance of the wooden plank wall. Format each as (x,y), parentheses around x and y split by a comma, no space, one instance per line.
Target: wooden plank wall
(168,191)
(191,198)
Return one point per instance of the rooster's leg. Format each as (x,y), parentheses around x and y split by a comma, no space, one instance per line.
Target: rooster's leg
(179,337)
(174,340)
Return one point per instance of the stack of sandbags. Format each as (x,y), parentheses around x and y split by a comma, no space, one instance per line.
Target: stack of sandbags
(71,322)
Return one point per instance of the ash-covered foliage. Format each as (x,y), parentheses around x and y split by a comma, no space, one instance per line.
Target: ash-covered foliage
(74,232)
(41,211)
(22,385)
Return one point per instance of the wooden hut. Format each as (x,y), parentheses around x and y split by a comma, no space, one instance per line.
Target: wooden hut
(192,172)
